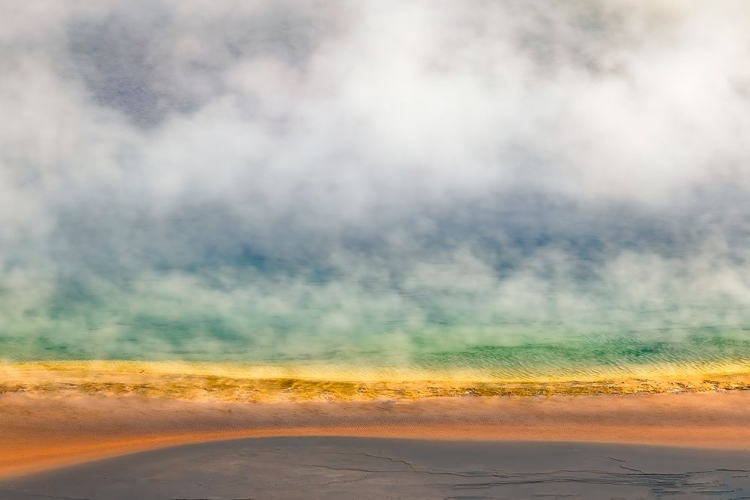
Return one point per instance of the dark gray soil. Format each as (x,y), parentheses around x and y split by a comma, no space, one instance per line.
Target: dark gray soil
(357,468)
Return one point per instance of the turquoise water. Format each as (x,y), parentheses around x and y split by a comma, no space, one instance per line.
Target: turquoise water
(348,323)
(621,356)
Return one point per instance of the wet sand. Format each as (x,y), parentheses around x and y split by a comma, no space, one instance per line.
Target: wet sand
(364,468)
(38,433)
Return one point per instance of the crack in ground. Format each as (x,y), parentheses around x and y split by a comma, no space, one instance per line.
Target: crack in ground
(670,483)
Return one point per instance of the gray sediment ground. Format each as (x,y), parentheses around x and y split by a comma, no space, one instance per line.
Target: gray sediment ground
(364,468)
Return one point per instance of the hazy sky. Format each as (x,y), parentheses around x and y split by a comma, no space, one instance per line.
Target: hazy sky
(273,179)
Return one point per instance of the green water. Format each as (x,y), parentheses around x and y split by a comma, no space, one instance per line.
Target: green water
(470,323)
(438,350)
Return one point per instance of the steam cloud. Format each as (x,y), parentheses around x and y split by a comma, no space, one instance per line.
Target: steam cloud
(273,180)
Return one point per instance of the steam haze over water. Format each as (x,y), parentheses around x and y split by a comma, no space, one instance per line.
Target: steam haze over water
(516,187)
